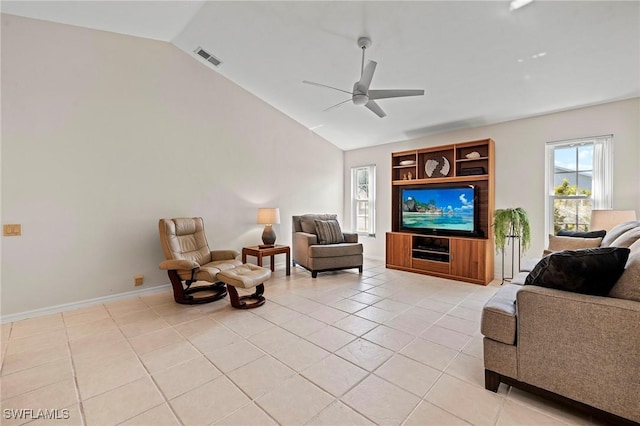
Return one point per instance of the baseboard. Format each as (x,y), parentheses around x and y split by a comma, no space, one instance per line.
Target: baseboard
(80,304)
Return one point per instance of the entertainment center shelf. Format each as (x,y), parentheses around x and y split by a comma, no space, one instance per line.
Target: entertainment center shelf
(433,191)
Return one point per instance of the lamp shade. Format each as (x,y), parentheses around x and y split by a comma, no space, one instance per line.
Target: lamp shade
(268,216)
(607,219)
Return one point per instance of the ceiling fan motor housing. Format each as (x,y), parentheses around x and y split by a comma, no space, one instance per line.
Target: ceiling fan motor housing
(364,42)
(360,99)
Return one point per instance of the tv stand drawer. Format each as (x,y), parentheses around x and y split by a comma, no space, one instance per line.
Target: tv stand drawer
(430,265)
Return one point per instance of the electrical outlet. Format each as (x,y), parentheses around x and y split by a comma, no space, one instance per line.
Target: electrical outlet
(138,280)
(12,230)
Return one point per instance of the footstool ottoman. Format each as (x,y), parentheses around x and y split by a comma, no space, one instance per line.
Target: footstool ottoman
(245,276)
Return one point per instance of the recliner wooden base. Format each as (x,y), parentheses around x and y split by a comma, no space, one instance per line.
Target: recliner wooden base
(185,296)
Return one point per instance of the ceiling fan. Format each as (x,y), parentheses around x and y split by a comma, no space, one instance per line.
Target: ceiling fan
(361,95)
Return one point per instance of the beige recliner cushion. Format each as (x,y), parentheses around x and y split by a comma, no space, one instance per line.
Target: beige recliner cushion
(185,239)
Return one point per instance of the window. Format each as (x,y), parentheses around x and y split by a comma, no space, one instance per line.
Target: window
(363,190)
(578,180)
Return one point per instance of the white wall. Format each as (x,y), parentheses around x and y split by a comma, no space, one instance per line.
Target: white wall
(520,163)
(103,134)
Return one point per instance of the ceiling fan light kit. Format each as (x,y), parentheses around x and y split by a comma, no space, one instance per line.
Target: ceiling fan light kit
(361,95)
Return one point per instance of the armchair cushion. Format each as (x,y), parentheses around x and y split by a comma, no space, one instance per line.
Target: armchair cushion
(307,222)
(328,232)
(589,271)
(335,250)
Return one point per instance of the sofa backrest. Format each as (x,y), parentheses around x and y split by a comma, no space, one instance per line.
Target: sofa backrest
(616,232)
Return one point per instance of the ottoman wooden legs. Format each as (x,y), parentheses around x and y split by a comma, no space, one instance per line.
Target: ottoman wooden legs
(245,276)
(240,301)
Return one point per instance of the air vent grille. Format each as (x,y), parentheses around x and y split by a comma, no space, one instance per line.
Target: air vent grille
(208,56)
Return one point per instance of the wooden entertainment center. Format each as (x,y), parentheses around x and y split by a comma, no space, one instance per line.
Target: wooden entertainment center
(436,252)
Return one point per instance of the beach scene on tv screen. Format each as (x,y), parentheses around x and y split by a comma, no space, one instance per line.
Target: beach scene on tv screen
(441,208)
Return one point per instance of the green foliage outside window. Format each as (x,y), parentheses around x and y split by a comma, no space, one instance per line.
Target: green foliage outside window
(563,208)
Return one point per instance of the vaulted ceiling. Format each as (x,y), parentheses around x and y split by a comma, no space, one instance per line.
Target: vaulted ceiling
(478,62)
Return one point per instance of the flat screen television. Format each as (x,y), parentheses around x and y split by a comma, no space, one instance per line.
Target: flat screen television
(443,210)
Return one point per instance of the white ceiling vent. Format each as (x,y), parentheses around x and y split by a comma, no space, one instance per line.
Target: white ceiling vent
(208,56)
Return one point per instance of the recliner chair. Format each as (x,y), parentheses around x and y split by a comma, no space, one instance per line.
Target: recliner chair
(189,260)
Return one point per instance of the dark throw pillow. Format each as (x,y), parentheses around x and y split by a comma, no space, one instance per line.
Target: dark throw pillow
(578,234)
(329,232)
(589,271)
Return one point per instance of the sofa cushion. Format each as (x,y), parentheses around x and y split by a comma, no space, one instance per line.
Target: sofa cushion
(520,277)
(329,232)
(572,243)
(528,264)
(307,221)
(335,250)
(628,285)
(618,230)
(627,238)
(308,226)
(588,271)
(499,315)
(579,234)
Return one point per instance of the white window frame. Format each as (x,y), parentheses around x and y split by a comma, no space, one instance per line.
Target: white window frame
(371,216)
(602,174)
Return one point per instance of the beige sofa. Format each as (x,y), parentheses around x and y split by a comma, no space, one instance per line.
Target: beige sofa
(316,257)
(581,349)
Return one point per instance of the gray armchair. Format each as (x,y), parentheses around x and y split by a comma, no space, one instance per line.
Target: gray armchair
(317,253)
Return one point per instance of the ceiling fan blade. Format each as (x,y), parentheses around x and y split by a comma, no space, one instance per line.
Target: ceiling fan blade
(367,75)
(373,106)
(336,105)
(324,85)
(382,94)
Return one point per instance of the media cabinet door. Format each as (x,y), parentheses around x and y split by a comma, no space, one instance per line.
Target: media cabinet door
(399,249)
(467,258)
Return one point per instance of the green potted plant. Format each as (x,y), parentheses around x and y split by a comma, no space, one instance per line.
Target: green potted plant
(509,223)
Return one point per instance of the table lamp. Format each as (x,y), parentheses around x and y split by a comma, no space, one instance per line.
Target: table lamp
(267,217)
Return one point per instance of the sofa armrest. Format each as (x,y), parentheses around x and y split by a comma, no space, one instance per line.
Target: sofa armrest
(224,254)
(350,237)
(584,347)
(176,264)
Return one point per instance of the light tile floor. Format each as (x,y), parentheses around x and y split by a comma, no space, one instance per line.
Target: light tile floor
(385,347)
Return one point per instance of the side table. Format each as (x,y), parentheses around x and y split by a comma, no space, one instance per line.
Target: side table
(259,253)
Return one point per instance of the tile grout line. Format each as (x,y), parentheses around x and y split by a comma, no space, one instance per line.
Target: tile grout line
(76,386)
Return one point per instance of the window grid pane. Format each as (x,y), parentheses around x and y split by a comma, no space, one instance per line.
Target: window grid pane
(362,207)
(572,187)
